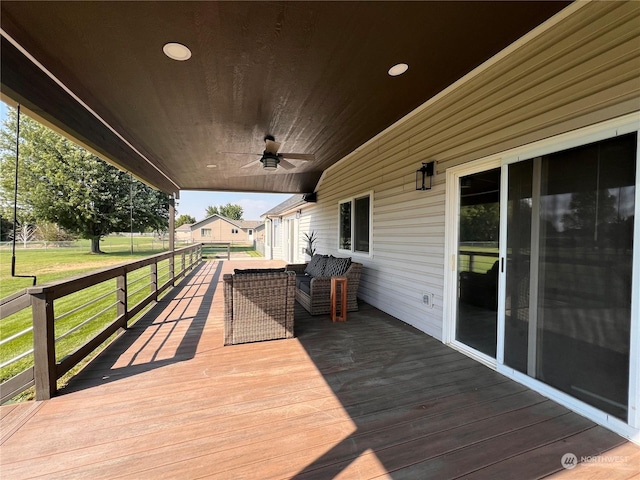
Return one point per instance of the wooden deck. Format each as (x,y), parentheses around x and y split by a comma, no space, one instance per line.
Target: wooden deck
(369,398)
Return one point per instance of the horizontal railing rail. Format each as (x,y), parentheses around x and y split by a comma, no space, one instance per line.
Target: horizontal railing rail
(487,258)
(115,307)
(219,244)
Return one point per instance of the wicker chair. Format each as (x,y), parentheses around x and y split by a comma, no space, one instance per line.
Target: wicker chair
(318,300)
(258,306)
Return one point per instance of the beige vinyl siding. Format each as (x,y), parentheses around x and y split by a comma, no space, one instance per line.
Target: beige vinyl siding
(579,69)
(221,231)
(304,226)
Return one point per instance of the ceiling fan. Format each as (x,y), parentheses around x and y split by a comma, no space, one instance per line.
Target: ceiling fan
(271,158)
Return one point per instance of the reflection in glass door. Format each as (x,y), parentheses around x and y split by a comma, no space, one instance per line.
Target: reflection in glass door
(570,218)
(478,262)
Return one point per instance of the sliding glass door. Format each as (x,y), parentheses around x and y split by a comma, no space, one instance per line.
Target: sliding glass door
(570,220)
(478,264)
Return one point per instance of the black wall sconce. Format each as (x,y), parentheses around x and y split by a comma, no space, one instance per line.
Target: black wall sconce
(424,176)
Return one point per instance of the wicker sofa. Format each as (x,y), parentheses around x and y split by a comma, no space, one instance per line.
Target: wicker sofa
(313,282)
(258,305)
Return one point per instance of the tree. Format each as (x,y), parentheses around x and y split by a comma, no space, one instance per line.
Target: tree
(210,211)
(23,216)
(24,233)
(50,232)
(230,210)
(62,183)
(590,209)
(183,219)
(6,228)
(480,223)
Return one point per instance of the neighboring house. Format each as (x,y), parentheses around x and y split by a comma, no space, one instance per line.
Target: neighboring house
(259,236)
(183,233)
(218,228)
(525,253)
(259,232)
(285,226)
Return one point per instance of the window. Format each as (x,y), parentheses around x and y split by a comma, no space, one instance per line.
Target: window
(250,232)
(276,232)
(205,232)
(345,226)
(234,230)
(267,231)
(355,224)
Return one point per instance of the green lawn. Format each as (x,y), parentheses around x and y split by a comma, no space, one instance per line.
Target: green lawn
(76,324)
(210,251)
(57,263)
(481,263)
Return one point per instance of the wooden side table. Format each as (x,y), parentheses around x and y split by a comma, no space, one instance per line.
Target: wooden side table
(342,283)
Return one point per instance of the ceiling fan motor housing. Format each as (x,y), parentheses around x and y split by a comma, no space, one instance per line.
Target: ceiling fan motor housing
(269,161)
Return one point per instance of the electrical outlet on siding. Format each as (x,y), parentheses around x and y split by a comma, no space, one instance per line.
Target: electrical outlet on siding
(427,299)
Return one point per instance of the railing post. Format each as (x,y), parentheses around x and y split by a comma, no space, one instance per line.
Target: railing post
(154,280)
(44,346)
(122,294)
(172,268)
(182,258)
(172,223)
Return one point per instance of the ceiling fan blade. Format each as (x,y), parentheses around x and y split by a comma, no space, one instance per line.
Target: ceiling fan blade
(299,156)
(271,146)
(251,164)
(286,165)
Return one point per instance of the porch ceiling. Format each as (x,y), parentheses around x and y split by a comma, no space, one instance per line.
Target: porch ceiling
(313,74)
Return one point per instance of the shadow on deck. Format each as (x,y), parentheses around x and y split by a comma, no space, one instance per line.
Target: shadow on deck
(169,332)
(369,398)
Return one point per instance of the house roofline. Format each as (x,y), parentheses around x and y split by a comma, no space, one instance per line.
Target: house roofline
(235,223)
(295,202)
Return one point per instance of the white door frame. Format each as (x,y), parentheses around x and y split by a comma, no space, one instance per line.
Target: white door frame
(452,219)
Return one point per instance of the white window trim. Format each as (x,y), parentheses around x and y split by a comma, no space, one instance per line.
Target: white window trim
(352,199)
(609,129)
(267,233)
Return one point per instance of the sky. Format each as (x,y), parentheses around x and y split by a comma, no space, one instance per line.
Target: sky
(195,203)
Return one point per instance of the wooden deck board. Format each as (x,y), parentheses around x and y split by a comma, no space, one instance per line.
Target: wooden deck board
(369,398)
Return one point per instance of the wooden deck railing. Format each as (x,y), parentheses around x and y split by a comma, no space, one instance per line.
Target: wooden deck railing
(219,244)
(46,369)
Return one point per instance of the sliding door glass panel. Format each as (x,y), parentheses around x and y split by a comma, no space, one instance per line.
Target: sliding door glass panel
(478,265)
(585,242)
(568,279)
(518,283)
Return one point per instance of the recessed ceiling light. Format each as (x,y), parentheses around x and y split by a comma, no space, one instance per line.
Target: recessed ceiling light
(177,51)
(211,166)
(398,69)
